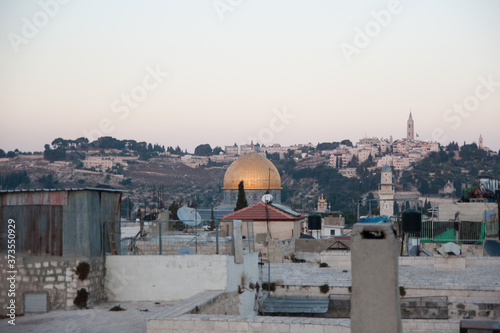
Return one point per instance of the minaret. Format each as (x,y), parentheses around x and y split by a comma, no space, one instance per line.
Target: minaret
(386,192)
(410,129)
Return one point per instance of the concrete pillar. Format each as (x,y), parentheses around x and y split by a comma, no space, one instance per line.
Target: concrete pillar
(375,305)
(237,242)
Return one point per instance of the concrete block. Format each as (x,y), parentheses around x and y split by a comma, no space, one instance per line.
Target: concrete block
(221,326)
(254,327)
(204,325)
(375,303)
(183,324)
(238,326)
(306,328)
(238,242)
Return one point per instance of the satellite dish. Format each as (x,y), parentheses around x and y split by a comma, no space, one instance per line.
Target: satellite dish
(189,216)
(267,198)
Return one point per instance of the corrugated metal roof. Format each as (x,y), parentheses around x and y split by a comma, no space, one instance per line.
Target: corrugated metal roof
(295,305)
(64,189)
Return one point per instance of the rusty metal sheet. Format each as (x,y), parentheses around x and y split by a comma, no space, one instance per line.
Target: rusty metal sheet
(38,229)
(50,198)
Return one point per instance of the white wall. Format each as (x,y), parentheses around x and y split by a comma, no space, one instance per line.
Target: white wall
(251,272)
(167,278)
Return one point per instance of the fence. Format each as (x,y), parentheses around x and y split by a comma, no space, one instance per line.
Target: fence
(463,232)
(170,238)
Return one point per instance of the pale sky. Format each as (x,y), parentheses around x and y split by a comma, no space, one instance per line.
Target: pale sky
(283,71)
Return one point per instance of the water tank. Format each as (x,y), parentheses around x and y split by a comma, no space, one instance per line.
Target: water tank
(412,221)
(314,222)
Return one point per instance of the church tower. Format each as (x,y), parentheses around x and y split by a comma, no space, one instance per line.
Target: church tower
(386,192)
(410,129)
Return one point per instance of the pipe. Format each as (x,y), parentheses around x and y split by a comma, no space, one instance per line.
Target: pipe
(427,253)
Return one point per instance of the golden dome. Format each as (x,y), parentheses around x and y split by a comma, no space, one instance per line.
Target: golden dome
(256,171)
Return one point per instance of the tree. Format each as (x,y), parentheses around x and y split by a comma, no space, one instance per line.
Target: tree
(327,146)
(203,150)
(126,182)
(127,207)
(2,153)
(48,181)
(452,146)
(424,187)
(217,150)
(173,208)
(354,162)
(242,199)
(13,180)
(11,154)
(346,142)
(52,155)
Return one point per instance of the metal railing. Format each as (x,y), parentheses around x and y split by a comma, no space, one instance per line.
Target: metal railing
(170,238)
(463,232)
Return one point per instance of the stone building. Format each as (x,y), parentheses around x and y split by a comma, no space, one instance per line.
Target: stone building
(386,192)
(410,129)
(60,240)
(259,176)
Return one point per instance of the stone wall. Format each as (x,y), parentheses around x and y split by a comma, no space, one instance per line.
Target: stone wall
(226,304)
(54,276)
(279,250)
(169,278)
(313,245)
(480,309)
(206,324)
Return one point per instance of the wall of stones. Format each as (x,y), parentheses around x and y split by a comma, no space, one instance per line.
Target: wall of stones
(226,304)
(54,276)
(207,324)
(465,308)
(277,250)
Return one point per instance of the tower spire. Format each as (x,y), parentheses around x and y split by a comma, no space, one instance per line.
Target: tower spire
(410,129)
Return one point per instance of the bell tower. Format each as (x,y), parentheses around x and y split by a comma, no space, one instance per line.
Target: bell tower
(410,129)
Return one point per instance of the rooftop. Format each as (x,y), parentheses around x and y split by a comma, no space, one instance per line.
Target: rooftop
(263,212)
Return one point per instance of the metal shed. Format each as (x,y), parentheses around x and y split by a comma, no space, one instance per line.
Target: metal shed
(59,222)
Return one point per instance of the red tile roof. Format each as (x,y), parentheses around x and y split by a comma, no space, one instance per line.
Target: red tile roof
(257,212)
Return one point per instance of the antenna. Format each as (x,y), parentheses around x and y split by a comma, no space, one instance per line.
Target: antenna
(269,181)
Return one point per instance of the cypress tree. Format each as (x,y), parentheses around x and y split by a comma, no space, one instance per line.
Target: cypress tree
(242,199)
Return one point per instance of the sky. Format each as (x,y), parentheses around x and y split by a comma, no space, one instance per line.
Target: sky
(232,71)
